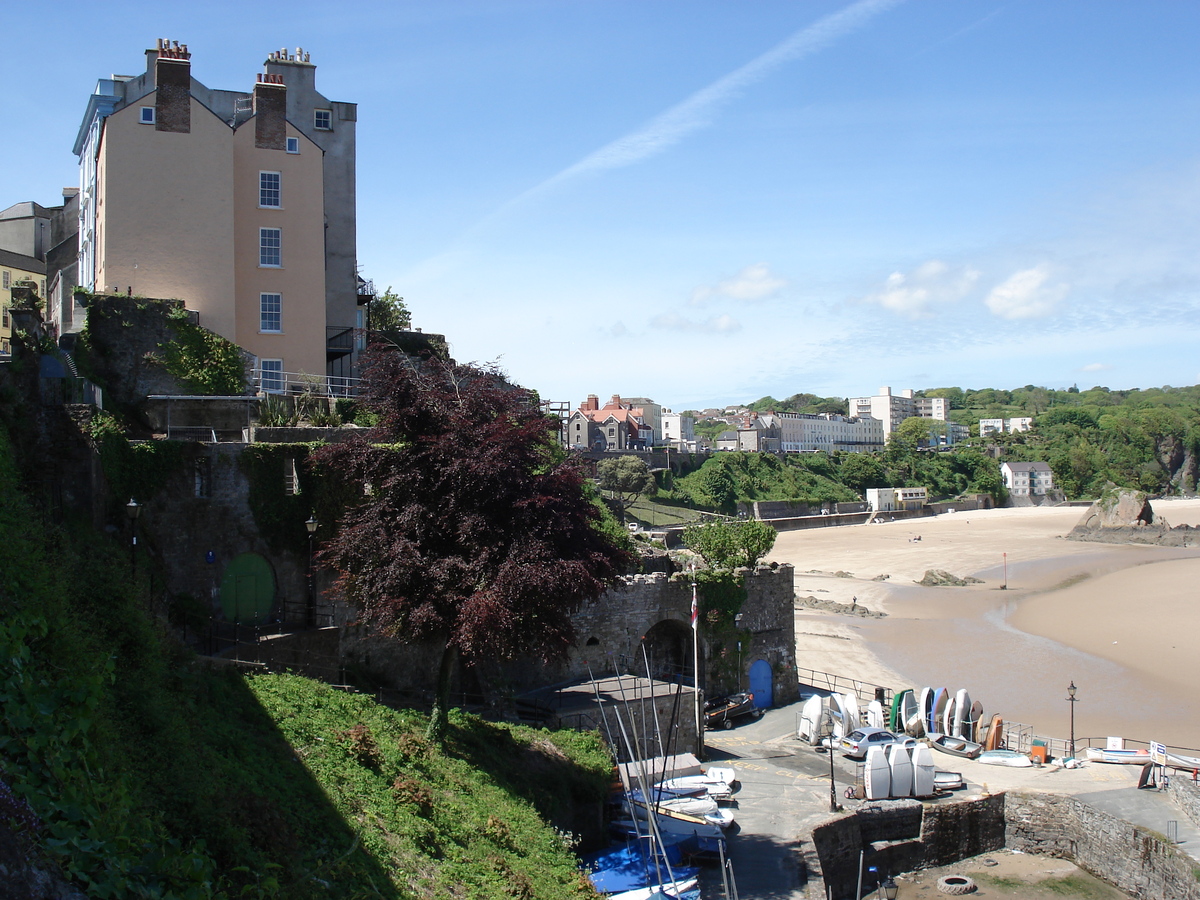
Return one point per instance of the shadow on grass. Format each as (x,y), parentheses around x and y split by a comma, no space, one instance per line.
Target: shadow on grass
(232,779)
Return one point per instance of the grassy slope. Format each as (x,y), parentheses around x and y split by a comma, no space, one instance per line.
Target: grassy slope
(152,778)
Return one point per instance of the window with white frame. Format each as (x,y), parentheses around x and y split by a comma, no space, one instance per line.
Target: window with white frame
(6,280)
(293,145)
(268,190)
(147,115)
(270,312)
(323,119)
(271,375)
(270,242)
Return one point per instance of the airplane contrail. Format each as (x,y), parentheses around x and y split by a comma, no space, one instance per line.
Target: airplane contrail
(697,111)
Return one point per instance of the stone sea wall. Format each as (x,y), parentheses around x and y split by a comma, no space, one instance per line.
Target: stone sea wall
(1138,861)
(903,835)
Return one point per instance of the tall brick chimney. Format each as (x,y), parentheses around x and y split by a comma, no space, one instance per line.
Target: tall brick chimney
(173,82)
(270,113)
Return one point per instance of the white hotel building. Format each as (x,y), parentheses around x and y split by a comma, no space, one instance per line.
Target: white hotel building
(805,433)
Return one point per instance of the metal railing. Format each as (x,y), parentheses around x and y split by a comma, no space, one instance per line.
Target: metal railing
(297,384)
(830,683)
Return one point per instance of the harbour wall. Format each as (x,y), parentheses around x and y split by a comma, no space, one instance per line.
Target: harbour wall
(1184,790)
(904,835)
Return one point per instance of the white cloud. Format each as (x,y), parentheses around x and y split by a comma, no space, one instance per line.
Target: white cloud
(618,329)
(752,283)
(1095,367)
(1026,295)
(931,283)
(711,325)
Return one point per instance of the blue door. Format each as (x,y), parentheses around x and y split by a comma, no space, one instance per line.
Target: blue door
(760,684)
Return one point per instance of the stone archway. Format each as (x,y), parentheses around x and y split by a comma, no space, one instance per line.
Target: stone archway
(668,647)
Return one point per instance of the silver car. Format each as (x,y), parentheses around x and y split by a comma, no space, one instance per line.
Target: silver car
(856,743)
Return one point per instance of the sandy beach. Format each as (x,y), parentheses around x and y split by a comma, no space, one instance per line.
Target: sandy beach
(1120,621)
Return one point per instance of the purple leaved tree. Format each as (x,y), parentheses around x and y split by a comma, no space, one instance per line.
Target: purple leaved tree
(474,531)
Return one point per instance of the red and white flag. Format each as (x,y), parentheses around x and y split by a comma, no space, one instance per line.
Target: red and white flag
(695,608)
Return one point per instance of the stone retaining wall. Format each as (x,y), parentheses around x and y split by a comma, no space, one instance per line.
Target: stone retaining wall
(899,836)
(1185,792)
(1138,861)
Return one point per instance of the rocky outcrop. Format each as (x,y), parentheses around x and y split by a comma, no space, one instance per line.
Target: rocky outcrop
(1118,509)
(942,578)
(1126,517)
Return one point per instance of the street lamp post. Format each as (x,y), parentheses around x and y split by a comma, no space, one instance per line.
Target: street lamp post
(834,806)
(311,617)
(132,511)
(1072,700)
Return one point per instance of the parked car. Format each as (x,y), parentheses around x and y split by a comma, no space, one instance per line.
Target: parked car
(856,743)
(720,712)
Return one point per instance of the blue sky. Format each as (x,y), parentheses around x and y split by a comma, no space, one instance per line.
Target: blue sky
(707,202)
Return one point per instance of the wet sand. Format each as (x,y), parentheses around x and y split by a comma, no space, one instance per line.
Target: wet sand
(1018,639)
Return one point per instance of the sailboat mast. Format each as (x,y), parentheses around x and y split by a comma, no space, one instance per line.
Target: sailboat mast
(696,664)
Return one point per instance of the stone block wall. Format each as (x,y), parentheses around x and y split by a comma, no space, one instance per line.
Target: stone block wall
(1185,791)
(1138,861)
(182,529)
(610,633)
(900,836)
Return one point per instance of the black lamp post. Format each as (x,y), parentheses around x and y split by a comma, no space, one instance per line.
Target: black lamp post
(889,888)
(311,525)
(833,804)
(132,511)
(1071,699)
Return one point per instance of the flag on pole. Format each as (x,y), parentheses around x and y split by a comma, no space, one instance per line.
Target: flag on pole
(695,607)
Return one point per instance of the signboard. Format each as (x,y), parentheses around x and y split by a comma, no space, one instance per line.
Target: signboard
(1158,753)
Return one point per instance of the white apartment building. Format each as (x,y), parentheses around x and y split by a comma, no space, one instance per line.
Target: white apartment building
(809,433)
(1027,479)
(892,409)
(678,431)
(1001,426)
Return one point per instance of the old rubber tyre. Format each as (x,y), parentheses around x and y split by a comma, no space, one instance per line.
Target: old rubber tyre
(727,724)
(955,885)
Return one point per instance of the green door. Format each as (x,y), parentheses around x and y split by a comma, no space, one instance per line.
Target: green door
(248,590)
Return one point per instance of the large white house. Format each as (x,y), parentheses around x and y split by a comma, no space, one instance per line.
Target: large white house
(1027,479)
(678,431)
(1000,426)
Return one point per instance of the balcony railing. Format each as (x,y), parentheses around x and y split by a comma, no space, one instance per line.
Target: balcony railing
(299,383)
